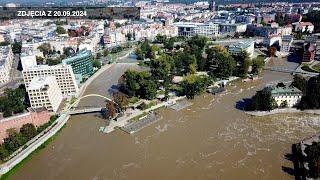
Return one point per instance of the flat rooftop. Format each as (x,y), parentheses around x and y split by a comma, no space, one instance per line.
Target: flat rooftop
(41,82)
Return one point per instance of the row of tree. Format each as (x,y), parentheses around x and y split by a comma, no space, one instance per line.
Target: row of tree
(17,139)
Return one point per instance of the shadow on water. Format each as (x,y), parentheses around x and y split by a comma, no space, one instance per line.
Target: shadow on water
(243,104)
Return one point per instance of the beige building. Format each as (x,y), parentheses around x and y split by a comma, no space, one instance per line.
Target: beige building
(63,74)
(45,92)
(6,58)
(286,95)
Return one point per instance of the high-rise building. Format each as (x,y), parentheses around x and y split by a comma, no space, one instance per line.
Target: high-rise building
(45,92)
(63,74)
(6,57)
(81,63)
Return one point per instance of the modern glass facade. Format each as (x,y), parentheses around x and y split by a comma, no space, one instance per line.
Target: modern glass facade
(81,63)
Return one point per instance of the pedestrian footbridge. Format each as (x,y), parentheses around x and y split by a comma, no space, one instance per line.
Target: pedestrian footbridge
(85,110)
(73,109)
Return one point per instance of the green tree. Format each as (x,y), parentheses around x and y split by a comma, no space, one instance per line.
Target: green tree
(28,131)
(139,53)
(139,84)
(4,43)
(219,62)
(311,99)
(194,85)
(40,60)
(199,41)
(161,38)
(161,67)
(300,83)
(16,47)
(263,101)
(45,48)
(183,61)
(169,44)
(96,63)
(257,65)
(121,100)
(61,30)
(244,63)
(105,52)
(98,56)
(148,89)
(14,141)
(3,152)
(68,51)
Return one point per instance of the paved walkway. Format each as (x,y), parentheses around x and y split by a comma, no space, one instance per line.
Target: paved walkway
(121,122)
(33,144)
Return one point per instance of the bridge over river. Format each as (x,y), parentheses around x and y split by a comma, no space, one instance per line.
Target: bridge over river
(73,109)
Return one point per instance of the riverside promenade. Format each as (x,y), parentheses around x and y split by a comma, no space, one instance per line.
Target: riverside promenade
(283,111)
(125,120)
(33,144)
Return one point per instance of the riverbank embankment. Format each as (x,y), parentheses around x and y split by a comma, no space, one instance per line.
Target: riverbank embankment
(283,111)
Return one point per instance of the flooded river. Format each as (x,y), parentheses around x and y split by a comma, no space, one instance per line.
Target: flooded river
(209,140)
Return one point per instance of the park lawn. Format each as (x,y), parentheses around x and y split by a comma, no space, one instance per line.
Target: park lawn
(307,68)
(316,67)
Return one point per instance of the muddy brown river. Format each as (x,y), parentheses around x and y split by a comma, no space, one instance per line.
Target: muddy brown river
(211,139)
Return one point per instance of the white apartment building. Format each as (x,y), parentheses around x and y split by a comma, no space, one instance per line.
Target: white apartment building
(6,59)
(191,29)
(290,96)
(45,92)
(63,74)
(236,48)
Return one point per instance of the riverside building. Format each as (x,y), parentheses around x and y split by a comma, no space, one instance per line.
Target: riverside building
(286,95)
(45,92)
(81,63)
(62,73)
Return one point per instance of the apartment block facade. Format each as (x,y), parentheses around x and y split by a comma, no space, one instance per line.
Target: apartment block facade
(81,63)
(63,74)
(45,92)
(6,59)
